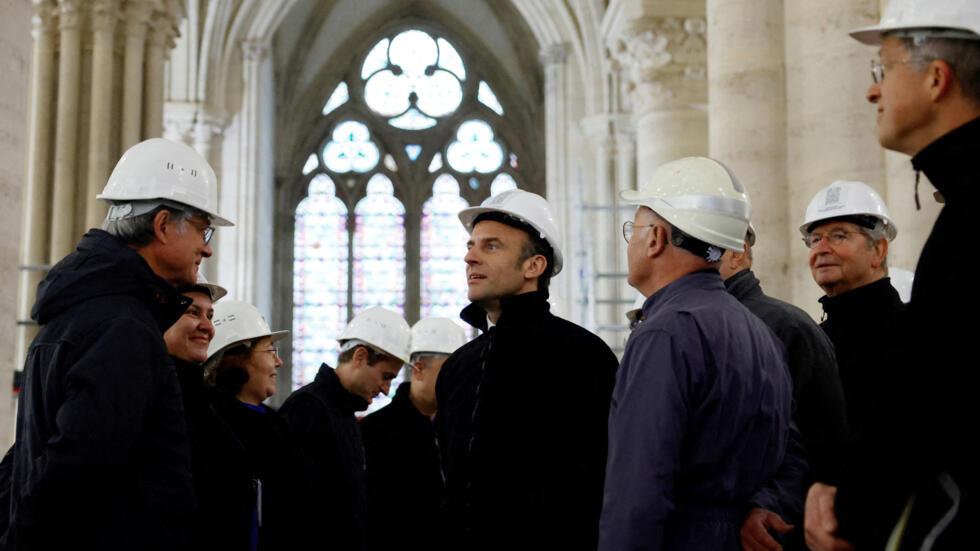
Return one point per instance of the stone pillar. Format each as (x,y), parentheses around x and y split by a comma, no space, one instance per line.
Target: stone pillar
(34,233)
(830,128)
(600,218)
(137,15)
(747,122)
(161,33)
(104,16)
(66,131)
(665,59)
(554,59)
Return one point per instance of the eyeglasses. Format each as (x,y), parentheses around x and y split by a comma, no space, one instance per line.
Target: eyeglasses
(206,231)
(628,229)
(834,238)
(878,68)
(274,350)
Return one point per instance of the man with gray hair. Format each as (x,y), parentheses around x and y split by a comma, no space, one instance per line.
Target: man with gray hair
(912,476)
(101,459)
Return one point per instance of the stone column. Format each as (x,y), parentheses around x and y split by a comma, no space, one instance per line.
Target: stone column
(161,33)
(747,122)
(600,218)
(137,16)
(666,86)
(554,59)
(831,131)
(34,235)
(104,16)
(66,131)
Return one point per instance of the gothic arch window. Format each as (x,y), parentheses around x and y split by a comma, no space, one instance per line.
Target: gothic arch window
(412,133)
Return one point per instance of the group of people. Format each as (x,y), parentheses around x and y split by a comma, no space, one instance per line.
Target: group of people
(732,421)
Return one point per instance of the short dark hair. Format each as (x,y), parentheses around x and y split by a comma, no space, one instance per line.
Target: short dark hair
(535,244)
(373,357)
(962,56)
(229,375)
(138,230)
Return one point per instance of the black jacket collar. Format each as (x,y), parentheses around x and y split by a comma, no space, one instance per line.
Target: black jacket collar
(515,311)
(335,393)
(950,162)
(866,298)
(743,285)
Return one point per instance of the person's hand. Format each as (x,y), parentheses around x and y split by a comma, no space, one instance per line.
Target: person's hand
(755,531)
(820,522)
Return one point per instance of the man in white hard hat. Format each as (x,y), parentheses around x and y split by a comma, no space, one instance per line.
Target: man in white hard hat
(817,393)
(927,92)
(102,459)
(522,407)
(373,349)
(701,413)
(404,476)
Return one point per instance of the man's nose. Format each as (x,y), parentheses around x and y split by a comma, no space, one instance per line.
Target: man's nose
(874,92)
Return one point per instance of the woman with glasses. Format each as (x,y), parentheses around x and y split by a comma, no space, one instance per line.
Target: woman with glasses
(252,498)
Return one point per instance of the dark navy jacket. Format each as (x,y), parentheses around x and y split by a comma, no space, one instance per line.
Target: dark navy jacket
(102,457)
(700,420)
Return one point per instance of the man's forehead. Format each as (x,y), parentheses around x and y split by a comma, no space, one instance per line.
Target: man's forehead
(835,225)
(486,230)
(891,46)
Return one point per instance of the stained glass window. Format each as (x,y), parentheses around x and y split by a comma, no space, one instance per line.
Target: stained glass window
(351,149)
(319,279)
(415,75)
(475,148)
(339,97)
(311,164)
(502,182)
(488,98)
(436,162)
(379,248)
(443,246)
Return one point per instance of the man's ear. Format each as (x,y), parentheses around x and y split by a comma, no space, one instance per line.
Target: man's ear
(360,357)
(535,266)
(656,241)
(880,249)
(418,374)
(160,226)
(939,79)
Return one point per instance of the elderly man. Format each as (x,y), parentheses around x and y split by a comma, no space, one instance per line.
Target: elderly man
(912,473)
(373,348)
(101,459)
(403,470)
(701,412)
(523,407)
(817,393)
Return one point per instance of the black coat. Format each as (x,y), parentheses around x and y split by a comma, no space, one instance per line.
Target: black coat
(321,415)
(404,478)
(820,412)
(102,459)
(859,322)
(522,428)
(926,424)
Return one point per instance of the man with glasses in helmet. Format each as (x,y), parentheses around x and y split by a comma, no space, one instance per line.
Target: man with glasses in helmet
(927,92)
(523,407)
(373,349)
(701,413)
(404,476)
(101,459)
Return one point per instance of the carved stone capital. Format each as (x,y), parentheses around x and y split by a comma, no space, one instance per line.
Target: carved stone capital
(663,63)
(105,14)
(70,14)
(45,18)
(254,50)
(137,14)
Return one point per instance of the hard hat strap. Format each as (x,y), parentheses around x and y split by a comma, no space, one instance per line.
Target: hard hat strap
(921,35)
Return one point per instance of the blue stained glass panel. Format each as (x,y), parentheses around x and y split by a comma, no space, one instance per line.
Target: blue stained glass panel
(443,246)
(475,148)
(413,151)
(351,149)
(379,248)
(319,279)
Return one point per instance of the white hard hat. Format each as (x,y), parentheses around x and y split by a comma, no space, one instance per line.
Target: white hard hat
(159,172)
(437,335)
(701,197)
(527,207)
(842,199)
(942,18)
(236,322)
(381,329)
(216,291)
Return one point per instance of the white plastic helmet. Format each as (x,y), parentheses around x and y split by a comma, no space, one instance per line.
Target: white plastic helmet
(216,291)
(236,322)
(381,329)
(528,207)
(437,336)
(942,18)
(844,198)
(700,196)
(160,171)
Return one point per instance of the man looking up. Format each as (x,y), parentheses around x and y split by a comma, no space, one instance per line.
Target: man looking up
(101,459)
(913,452)
(817,393)
(523,407)
(700,417)
(373,348)
(404,477)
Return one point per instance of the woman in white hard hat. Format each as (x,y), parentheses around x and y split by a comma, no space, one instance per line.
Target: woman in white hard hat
(253,498)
